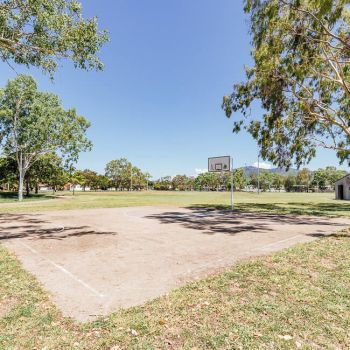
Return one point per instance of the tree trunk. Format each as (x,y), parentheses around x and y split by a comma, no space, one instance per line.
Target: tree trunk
(20,185)
(27,188)
(22,173)
(36,188)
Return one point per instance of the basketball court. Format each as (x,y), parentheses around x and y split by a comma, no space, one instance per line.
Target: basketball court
(94,262)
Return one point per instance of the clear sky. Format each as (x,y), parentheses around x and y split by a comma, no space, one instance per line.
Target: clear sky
(158,101)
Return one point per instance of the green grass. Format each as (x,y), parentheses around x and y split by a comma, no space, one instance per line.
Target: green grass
(12,197)
(289,203)
(298,298)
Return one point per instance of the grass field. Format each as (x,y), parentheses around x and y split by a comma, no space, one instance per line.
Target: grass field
(296,299)
(293,203)
(12,197)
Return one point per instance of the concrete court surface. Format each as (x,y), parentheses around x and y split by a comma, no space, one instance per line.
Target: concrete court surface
(95,261)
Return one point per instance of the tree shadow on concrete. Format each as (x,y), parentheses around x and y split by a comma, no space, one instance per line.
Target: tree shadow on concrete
(334,235)
(34,227)
(212,221)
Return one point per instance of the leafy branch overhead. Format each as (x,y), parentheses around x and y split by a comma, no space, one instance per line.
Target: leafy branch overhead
(301,77)
(42,32)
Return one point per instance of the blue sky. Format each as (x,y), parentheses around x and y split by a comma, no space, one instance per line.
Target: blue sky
(157,102)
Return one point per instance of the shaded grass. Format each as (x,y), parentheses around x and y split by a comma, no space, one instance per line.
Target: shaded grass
(12,197)
(320,204)
(298,298)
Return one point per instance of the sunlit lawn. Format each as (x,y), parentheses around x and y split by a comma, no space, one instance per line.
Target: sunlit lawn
(294,203)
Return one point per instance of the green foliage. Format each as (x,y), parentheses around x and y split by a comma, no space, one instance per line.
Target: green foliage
(40,33)
(304,177)
(163,184)
(301,77)
(207,181)
(8,173)
(75,177)
(92,180)
(290,183)
(323,178)
(239,179)
(278,181)
(48,169)
(182,183)
(119,172)
(34,123)
(266,180)
(123,175)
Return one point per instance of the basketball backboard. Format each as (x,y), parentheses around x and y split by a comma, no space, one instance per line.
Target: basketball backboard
(219,164)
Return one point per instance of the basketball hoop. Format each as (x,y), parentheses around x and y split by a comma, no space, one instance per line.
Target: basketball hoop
(220,165)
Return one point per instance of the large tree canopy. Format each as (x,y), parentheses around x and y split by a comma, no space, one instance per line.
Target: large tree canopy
(33,123)
(123,174)
(301,77)
(42,32)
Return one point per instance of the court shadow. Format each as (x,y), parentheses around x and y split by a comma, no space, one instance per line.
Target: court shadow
(214,221)
(31,226)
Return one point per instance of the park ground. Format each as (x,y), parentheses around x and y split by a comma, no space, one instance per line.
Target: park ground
(296,298)
(320,204)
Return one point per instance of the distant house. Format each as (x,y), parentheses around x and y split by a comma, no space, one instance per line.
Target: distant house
(342,188)
(76,187)
(44,187)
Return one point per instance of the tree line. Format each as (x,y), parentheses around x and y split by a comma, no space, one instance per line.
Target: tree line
(304,181)
(53,172)
(121,175)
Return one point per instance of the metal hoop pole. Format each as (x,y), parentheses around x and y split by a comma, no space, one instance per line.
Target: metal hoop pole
(232,183)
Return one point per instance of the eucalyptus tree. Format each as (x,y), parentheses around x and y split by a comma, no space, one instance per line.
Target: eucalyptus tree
(119,172)
(48,169)
(163,184)
(75,177)
(8,173)
(322,178)
(208,181)
(90,179)
(290,183)
(41,33)
(147,178)
(278,181)
(239,179)
(301,78)
(34,123)
(304,178)
(179,182)
(102,182)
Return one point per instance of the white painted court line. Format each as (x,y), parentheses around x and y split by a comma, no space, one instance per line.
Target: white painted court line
(276,243)
(65,271)
(214,263)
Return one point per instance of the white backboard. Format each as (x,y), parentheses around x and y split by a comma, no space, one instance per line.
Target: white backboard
(219,164)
